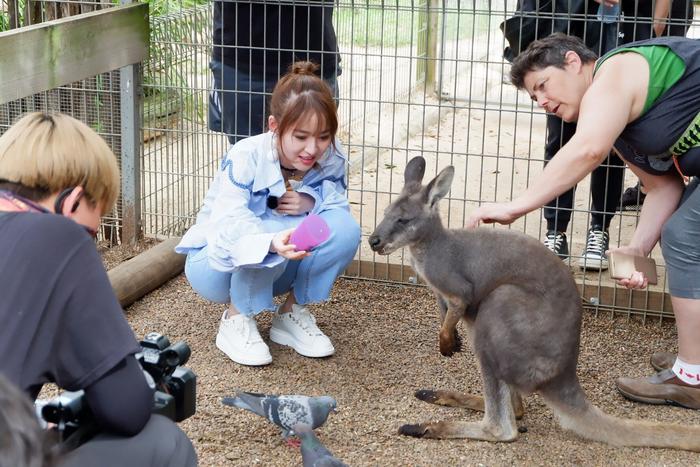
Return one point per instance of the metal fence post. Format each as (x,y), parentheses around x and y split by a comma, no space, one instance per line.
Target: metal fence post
(131,90)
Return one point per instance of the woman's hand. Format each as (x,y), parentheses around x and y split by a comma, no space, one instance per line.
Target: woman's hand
(503,213)
(280,245)
(294,203)
(637,280)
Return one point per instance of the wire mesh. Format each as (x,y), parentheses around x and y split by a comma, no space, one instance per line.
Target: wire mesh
(94,101)
(423,77)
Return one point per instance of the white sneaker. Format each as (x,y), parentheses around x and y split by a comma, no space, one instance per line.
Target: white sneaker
(240,340)
(594,256)
(298,330)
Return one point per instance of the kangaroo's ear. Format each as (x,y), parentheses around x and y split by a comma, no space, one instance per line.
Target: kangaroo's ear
(439,186)
(413,175)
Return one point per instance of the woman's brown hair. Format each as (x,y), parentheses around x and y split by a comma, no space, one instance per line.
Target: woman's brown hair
(299,92)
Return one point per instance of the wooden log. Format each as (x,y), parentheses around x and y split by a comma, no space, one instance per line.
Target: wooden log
(146,271)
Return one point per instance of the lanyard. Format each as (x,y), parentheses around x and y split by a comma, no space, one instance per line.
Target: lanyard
(10,202)
(689,139)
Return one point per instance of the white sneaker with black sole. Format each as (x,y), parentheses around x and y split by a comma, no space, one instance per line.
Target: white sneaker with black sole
(298,330)
(240,340)
(594,256)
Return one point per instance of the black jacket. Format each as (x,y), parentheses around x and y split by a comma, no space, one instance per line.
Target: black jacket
(538,19)
(265,38)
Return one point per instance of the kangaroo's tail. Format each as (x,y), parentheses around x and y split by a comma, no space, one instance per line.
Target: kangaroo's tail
(577,414)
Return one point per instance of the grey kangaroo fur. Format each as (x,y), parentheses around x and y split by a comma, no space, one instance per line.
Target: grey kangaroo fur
(523,312)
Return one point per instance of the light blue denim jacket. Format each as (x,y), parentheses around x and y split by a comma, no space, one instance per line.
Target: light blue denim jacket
(235,223)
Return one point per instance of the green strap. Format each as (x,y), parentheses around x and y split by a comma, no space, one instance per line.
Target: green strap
(689,139)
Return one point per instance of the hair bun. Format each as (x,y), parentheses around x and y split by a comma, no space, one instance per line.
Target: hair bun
(303,68)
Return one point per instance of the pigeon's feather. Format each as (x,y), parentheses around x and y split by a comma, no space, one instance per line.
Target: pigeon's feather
(248,401)
(289,412)
(314,453)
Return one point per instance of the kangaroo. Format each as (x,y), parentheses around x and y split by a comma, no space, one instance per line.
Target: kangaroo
(523,311)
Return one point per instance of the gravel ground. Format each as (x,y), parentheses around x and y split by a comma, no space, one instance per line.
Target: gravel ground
(386,341)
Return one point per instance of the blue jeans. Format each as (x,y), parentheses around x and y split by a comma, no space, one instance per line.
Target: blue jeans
(251,289)
(239,102)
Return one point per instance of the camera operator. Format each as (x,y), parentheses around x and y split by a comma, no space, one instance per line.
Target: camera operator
(61,321)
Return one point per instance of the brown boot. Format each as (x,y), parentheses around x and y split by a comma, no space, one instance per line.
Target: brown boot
(662,360)
(662,388)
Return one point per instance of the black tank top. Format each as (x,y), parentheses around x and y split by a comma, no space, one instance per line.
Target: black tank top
(646,141)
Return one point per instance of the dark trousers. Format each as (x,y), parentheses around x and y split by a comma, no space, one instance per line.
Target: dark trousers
(606,182)
(161,443)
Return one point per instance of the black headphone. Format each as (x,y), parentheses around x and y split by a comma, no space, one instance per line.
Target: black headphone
(61,198)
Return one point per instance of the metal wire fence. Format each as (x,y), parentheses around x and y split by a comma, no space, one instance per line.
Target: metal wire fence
(95,101)
(422,77)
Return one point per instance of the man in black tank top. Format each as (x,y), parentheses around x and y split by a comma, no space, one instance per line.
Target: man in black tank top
(653,122)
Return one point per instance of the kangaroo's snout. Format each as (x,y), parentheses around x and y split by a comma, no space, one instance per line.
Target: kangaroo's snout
(374,242)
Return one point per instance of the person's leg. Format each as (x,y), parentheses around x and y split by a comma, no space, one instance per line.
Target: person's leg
(680,384)
(606,188)
(211,284)
(687,313)
(236,103)
(557,212)
(248,291)
(310,281)
(681,250)
(161,443)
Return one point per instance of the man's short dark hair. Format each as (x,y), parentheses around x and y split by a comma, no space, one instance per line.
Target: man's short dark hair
(550,51)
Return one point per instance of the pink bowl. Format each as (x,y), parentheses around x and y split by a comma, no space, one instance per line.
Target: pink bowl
(312,231)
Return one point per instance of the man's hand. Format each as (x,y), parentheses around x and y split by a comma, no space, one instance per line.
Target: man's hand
(280,245)
(294,203)
(503,213)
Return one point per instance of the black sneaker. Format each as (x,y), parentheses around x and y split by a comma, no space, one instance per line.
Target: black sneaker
(594,256)
(556,243)
(632,199)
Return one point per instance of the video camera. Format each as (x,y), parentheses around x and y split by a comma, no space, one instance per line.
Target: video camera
(175,395)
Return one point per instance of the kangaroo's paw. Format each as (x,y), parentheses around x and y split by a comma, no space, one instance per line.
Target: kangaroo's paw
(428,395)
(458,342)
(451,399)
(417,430)
(450,342)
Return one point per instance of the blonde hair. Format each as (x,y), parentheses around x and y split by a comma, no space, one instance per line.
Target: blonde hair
(49,152)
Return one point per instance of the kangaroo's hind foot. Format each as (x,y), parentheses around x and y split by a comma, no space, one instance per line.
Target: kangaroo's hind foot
(482,430)
(451,399)
(465,401)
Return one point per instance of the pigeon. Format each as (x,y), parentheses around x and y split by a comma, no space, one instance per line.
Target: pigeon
(291,413)
(315,454)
